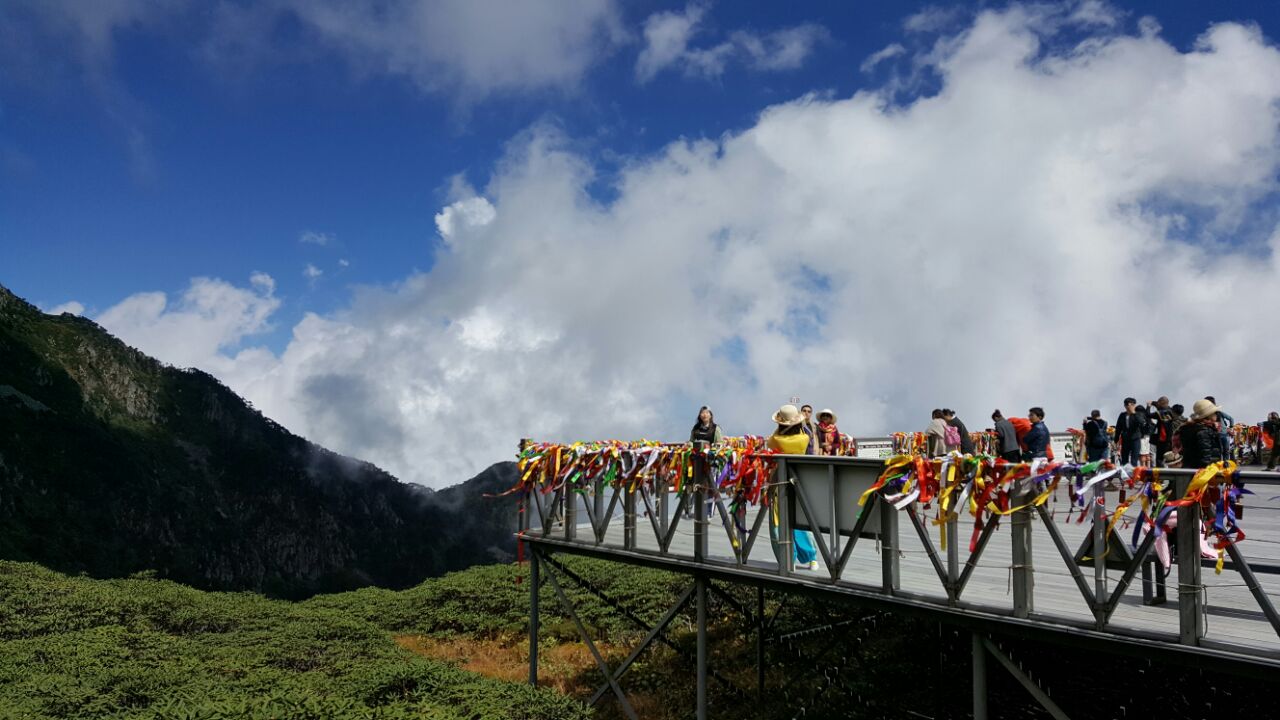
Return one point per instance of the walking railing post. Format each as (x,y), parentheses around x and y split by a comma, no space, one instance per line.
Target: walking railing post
(570,500)
(535,580)
(629,517)
(700,479)
(889,570)
(1190,597)
(1100,544)
(1022,570)
(782,496)
(953,556)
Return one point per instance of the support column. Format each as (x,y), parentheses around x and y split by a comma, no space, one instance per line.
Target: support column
(1190,596)
(629,517)
(1022,570)
(760,642)
(701,582)
(700,479)
(535,581)
(979,678)
(889,568)
(1100,545)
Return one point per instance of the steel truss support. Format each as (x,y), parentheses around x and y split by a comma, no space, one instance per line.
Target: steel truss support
(696,594)
(983,645)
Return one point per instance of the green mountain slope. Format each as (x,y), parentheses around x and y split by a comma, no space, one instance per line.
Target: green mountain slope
(113,463)
(143,648)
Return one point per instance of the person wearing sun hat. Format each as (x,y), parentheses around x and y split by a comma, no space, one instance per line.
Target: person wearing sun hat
(1199,436)
(828,433)
(790,438)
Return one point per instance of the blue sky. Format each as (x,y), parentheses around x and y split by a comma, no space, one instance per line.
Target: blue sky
(397,226)
(240,162)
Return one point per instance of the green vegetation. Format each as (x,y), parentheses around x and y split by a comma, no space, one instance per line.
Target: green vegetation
(145,648)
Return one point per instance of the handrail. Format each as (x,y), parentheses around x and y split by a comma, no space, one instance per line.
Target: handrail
(788,501)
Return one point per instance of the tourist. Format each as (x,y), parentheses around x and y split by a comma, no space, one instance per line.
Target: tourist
(1097,446)
(966,442)
(936,436)
(1161,433)
(790,438)
(828,433)
(705,429)
(810,428)
(1131,427)
(1272,428)
(1225,425)
(1199,436)
(1037,438)
(1006,438)
(1176,421)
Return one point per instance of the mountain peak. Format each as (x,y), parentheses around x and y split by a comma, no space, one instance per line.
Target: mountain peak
(124,464)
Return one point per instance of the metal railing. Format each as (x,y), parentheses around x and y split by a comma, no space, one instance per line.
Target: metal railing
(821,494)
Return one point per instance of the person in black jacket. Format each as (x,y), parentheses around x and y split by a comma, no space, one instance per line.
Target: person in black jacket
(1200,446)
(1272,428)
(966,442)
(1037,439)
(1161,417)
(1131,427)
(1096,444)
(705,429)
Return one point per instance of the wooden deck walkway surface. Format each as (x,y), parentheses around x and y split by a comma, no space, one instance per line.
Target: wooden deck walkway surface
(1233,617)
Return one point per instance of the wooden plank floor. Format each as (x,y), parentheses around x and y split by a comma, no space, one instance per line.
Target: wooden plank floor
(1233,616)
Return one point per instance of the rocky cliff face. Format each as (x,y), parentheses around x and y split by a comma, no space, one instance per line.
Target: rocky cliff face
(112,463)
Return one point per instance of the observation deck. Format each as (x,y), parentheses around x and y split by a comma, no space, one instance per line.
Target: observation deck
(1046,569)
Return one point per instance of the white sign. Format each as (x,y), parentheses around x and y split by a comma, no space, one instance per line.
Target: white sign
(876,448)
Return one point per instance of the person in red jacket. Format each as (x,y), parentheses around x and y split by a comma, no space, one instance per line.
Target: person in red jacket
(1022,426)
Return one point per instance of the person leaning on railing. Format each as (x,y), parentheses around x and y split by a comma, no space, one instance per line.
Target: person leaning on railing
(706,429)
(790,438)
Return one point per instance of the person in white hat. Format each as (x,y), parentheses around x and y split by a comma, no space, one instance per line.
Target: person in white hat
(790,438)
(1199,436)
(828,433)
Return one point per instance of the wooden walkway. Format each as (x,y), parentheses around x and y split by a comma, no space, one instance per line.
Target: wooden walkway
(1234,620)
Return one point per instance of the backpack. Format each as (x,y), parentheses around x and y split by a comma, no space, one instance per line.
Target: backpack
(952,435)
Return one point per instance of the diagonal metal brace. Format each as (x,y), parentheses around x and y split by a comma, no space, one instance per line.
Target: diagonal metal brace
(653,635)
(595,653)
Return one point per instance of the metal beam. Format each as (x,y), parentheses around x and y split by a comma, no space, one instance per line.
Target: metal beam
(970,616)
(700,582)
(654,633)
(979,679)
(535,581)
(1045,701)
(586,638)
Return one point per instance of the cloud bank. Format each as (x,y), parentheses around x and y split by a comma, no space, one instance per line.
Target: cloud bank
(1062,224)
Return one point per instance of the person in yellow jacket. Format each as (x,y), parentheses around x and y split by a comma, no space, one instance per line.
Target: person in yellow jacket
(791,439)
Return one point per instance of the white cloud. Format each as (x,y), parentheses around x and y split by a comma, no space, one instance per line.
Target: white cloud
(668,35)
(467,47)
(211,317)
(343,263)
(311,272)
(315,238)
(1012,240)
(889,52)
(71,306)
(473,212)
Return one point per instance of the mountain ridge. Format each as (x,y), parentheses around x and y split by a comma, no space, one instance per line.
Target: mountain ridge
(112,462)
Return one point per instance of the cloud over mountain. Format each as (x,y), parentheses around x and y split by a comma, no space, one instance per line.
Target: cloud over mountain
(1069,219)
